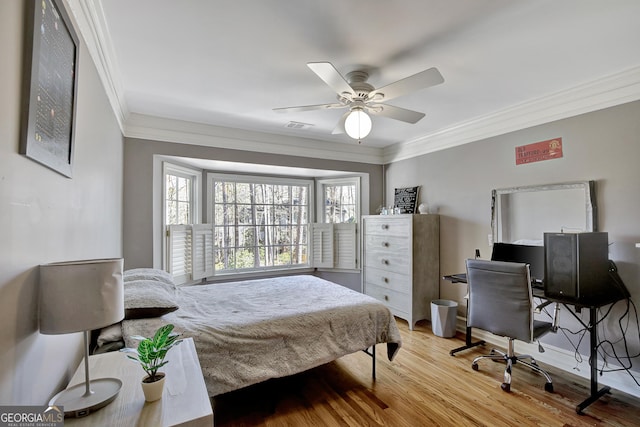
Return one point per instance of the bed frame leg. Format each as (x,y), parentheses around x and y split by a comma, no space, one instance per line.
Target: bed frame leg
(373,363)
(371,351)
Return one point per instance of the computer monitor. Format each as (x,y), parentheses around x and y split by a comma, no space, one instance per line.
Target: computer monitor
(532,255)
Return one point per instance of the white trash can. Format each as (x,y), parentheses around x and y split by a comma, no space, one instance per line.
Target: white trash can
(443,317)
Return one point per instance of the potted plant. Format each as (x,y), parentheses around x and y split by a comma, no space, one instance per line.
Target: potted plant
(151,353)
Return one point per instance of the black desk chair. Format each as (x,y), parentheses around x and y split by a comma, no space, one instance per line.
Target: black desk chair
(501,302)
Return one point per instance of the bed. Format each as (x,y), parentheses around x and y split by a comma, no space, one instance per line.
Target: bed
(249,331)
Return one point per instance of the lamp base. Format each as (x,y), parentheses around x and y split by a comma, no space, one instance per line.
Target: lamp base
(77,404)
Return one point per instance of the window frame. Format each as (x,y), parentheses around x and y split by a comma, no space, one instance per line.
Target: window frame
(321,183)
(212,177)
(195,176)
(362,203)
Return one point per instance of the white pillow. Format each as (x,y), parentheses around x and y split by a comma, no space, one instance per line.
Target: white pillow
(148,298)
(109,334)
(148,274)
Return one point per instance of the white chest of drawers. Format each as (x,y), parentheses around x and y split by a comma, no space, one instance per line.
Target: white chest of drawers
(401,263)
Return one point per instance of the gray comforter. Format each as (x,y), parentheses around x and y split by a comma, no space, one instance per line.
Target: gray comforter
(247,332)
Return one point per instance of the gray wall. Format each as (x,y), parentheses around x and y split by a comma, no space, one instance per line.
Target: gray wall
(47,217)
(138,175)
(602,146)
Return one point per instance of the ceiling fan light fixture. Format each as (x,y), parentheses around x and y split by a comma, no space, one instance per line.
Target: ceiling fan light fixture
(358,124)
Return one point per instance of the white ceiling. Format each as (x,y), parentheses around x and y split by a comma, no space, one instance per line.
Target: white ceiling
(227,64)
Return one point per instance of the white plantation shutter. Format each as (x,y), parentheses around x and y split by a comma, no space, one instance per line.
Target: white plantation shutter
(344,236)
(322,255)
(179,252)
(201,251)
(334,245)
(190,252)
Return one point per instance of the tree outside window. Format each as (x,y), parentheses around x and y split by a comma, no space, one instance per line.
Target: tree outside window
(177,199)
(259,224)
(339,200)
(340,203)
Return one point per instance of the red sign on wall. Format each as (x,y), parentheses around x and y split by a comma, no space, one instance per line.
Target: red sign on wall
(539,151)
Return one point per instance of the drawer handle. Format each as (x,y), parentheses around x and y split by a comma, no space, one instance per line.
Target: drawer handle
(386,298)
(385,279)
(385,226)
(385,244)
(385,261)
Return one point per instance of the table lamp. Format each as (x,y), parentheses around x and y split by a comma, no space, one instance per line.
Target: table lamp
(80,296)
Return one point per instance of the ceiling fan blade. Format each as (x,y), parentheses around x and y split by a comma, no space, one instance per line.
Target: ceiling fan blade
(328,73)
(308,108)
(421,80)
(396,113)
(340,126)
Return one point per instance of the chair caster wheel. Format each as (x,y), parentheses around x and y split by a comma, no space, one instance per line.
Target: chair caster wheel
(506,387)
(474,366)
(548,387)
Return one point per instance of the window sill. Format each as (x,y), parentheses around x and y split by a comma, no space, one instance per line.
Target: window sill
(231,277)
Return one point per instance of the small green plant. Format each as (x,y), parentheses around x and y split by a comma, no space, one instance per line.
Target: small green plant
(152,351)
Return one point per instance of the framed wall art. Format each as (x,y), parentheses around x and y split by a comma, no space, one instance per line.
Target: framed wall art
(50,86)
(406,199)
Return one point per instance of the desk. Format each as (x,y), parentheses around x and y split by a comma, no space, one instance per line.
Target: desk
(592,306)
(185,401)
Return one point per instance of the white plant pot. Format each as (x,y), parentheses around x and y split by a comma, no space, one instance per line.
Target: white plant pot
(153,391)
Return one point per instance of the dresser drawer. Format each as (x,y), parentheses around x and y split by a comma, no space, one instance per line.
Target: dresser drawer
(388,279)
(388,244)
(397,262)
(388,226)
(393,299)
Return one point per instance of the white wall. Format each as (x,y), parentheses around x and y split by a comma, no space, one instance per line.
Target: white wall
(47,217)
(603,146)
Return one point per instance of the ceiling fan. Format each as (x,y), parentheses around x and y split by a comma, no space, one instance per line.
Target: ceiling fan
(361,97)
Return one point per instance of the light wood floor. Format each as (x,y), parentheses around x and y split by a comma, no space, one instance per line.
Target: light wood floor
(423,386)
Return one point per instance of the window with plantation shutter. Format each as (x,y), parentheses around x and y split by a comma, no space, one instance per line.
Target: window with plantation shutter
(202,251)
(179,213)
(345,249)
(190,251)
(322,245)
(334,246)
(179,252)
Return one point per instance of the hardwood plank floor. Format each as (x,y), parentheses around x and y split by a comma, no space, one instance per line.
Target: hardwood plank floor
(423,386)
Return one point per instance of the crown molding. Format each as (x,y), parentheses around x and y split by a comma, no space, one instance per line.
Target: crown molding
(609,91)
(183,132)
(91,24)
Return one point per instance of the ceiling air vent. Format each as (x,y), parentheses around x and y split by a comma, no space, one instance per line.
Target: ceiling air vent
(298,125)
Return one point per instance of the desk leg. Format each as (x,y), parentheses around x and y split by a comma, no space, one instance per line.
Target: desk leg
(468,343)
(593,361)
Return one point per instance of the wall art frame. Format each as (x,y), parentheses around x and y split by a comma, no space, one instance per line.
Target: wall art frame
(50,86)
(406,199)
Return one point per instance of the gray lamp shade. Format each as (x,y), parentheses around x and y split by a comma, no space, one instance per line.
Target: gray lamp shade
(81,295)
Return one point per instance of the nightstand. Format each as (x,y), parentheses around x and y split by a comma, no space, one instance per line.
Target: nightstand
(185,401)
